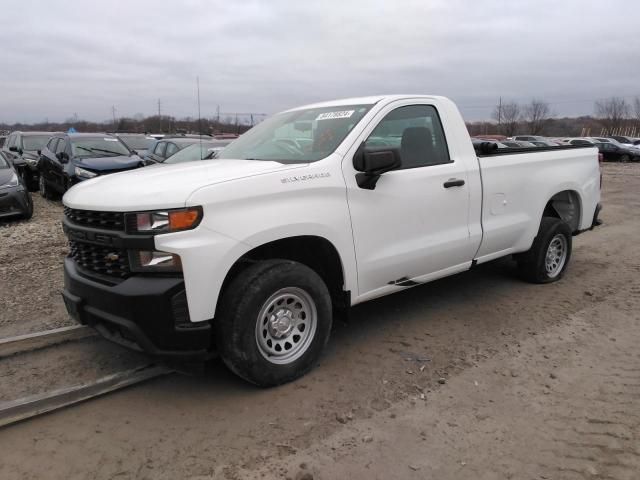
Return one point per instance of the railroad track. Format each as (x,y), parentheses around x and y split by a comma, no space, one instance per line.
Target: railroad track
(33,405)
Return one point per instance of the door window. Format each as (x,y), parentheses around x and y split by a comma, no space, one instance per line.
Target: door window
(416,131)
(159,150)
(61,145)
(52,144)
(171,149)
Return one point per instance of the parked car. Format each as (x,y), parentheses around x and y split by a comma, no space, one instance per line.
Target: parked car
(138,143)
(197,151)
(528,138)
(621,139)
(164,148)
(617,152)
(24,150)
(273,239)
(73,157)
(517,144)
(15,199)
(544,143)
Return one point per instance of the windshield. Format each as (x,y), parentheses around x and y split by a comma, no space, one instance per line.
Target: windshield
(197,151)
(34,142)
(299,136)
(97,147)
(137,142)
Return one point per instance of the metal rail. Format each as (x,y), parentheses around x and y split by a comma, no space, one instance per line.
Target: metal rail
(34,341)
(34,405)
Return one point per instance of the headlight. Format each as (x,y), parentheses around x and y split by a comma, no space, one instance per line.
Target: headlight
(81,172)
(164,221)
(13,182)
(32,162)
(154,261)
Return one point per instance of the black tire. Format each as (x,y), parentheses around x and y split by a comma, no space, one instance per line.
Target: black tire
(624,158)
(238,316)
(44,189)
(29,212)
(532,264)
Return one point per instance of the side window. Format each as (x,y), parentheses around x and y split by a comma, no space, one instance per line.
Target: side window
(171,149)
(52,144)
(159,150)
(60,146)
(416,131)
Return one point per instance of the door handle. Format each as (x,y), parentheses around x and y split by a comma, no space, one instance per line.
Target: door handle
(453,182)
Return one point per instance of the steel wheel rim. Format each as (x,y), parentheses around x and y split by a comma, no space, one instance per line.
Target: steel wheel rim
(286,325)
(556,255)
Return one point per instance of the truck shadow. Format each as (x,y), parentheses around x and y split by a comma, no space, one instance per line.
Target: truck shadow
(377,318)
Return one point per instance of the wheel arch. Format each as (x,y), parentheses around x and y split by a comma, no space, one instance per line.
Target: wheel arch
(566,205)
(316,252)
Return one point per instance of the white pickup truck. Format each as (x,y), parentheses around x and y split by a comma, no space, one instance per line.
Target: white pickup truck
(251,255)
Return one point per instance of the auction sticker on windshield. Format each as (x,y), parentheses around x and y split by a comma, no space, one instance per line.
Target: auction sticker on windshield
(333,115)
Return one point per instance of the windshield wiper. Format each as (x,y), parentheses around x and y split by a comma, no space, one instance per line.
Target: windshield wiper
(106,151)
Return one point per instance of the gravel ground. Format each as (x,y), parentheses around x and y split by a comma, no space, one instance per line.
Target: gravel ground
(31,255)
(477,376)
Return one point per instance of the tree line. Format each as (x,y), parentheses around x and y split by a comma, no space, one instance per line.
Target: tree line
(153,124)
(614,114)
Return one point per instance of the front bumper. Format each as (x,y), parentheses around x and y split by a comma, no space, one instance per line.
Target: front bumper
(13,201)
(145,313)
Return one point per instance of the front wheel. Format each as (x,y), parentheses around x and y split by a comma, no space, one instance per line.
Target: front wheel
(274,322)
(624,158)
(548,257)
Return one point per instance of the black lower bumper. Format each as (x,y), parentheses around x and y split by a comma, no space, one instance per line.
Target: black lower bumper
(143,313)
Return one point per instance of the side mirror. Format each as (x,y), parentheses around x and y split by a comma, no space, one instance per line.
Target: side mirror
(374,162)
(39,152)
(62,156)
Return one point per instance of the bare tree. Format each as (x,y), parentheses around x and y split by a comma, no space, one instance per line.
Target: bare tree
(612,111)
(636,108)
(536,114)
(508,117)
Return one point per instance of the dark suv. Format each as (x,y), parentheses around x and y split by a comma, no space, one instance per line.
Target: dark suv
(23,148)
(70,158)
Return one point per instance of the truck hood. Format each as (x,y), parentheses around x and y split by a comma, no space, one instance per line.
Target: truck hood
(164,187)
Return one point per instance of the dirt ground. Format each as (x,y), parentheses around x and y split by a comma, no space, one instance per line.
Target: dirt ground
(31,255)
(477,376)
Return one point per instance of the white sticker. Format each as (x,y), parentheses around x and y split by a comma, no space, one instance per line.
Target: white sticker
(110,139)
(334,115)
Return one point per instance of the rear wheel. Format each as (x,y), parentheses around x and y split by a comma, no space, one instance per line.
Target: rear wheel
(548,257)
(624,158)
(44,189)
(274,322)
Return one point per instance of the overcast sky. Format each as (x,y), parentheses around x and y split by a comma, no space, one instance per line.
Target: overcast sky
(82,57)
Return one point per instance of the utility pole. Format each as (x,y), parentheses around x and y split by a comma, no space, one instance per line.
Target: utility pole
(113,112)
(499,112)
(159,118)
(199,118)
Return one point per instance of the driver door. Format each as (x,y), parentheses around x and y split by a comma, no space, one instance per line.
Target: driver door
(413,226)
